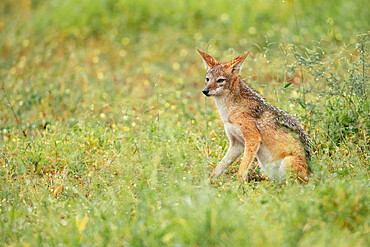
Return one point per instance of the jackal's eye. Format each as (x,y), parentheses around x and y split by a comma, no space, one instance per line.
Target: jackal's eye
(207,79)
(221,80)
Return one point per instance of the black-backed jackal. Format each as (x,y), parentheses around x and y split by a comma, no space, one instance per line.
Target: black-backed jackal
(264,131)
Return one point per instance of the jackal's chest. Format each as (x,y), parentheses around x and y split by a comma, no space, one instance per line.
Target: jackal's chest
(222,108)
(234,132)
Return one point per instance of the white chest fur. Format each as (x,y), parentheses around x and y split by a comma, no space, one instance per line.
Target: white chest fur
(222,108)
(232,130)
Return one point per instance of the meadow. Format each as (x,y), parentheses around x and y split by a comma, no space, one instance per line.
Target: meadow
(107,140)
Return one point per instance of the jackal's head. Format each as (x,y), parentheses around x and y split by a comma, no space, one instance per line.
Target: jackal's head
(220,77)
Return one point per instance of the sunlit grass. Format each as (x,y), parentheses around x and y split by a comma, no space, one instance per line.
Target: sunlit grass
(106,139)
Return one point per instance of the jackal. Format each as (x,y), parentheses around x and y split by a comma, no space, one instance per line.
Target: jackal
(266,132)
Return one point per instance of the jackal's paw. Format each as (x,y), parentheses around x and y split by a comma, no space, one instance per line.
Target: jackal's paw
(214,175)
(242,177)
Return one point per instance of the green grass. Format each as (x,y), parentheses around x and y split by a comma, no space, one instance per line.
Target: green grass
(106,139)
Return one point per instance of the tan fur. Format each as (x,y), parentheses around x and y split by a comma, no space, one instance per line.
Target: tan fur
(266,132)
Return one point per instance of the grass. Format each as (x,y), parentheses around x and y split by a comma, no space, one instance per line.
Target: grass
(106,139)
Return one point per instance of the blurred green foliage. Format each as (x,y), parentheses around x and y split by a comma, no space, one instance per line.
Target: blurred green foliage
(220,21)
(106,139)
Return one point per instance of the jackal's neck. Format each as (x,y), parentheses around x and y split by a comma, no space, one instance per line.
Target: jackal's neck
(222,107)
(247,93)
(242,92)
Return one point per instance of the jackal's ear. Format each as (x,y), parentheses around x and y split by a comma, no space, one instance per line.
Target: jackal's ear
(209,62)
(236,64)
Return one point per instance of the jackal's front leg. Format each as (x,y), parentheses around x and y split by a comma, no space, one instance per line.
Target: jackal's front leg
(253,140)
(250,152)
(234,151)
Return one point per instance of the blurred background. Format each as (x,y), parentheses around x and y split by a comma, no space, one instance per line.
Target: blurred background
(81,49)
(106,136)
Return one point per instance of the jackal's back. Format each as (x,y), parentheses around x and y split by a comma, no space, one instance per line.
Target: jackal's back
(279,117)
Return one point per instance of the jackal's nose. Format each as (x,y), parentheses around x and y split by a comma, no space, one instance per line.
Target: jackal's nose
(205,92)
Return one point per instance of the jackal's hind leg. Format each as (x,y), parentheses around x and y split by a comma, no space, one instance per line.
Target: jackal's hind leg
(294,167)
